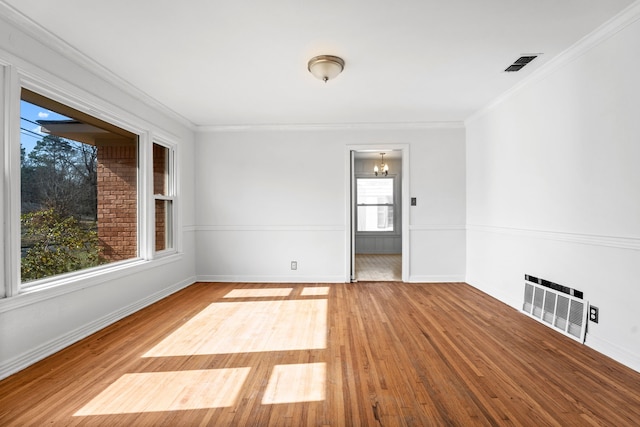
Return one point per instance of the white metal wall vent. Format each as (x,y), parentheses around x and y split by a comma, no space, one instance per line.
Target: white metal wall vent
(559,307)
(520,63)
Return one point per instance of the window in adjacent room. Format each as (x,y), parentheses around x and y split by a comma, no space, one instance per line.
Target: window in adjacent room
(79,190)
(375,204)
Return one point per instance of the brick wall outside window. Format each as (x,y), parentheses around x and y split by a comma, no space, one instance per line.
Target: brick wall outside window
(160,171)
(117,201)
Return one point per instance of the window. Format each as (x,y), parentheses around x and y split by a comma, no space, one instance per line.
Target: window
(163,194)
(375,204)
(78,190)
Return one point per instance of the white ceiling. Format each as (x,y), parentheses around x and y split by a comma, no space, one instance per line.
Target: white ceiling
(375,154)
(219,62)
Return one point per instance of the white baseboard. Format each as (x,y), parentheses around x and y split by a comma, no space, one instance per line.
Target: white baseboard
(437,279)
(270,279)
(24,360)
(613,351)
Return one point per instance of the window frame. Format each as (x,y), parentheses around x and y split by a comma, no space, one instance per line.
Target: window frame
(396,208)
(14,80)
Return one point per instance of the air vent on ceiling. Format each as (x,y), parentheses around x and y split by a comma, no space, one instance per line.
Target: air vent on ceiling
(520,63)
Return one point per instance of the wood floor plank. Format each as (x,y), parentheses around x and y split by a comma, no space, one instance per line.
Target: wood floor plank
(363,354)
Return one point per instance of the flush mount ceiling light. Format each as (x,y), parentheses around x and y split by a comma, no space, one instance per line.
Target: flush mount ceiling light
(325,67)
(383,169)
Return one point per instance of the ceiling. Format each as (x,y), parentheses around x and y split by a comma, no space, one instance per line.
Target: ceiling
(375,154)
(219,63)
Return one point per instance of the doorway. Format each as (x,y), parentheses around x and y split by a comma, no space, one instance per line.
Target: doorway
(378,214)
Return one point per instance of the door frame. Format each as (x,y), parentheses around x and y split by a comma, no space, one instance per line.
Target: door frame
(350,205)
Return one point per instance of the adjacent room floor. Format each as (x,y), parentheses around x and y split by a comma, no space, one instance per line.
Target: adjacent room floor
(361,354)
(379,267)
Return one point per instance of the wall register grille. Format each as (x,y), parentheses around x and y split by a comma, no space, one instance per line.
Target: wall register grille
(557,308)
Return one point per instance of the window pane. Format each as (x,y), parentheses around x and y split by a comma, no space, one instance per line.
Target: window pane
(164,224)
(375,204)
(375,218)
(374,191)
(160,169)
(78,190)
(163,206)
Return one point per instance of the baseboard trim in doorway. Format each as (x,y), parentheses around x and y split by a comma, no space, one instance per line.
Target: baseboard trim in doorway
(437,279)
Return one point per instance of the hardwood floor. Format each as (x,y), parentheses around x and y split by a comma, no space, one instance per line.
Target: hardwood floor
(379,267)
(362,354)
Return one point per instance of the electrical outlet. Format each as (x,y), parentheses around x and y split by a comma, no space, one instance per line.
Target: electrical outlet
(294,265)
(593,314)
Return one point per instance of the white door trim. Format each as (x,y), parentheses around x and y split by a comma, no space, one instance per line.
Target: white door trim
(349,173)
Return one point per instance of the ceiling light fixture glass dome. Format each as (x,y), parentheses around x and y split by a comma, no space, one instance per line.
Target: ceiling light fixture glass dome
(325,67)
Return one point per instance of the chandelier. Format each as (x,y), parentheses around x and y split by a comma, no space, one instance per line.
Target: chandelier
(383,168)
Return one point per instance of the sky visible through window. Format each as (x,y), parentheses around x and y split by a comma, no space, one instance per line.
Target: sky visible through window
(30,132)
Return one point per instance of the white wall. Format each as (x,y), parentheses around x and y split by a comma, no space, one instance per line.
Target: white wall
(553,187)
(36,324)
(267,197)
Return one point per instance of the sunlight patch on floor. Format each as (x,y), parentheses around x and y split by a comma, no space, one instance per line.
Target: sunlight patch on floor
(259,293)
(168,391)
(246,327)
(315,291)
(303,382)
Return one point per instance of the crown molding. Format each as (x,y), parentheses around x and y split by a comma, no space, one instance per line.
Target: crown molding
(331,126)
(58,45)
(611,27)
